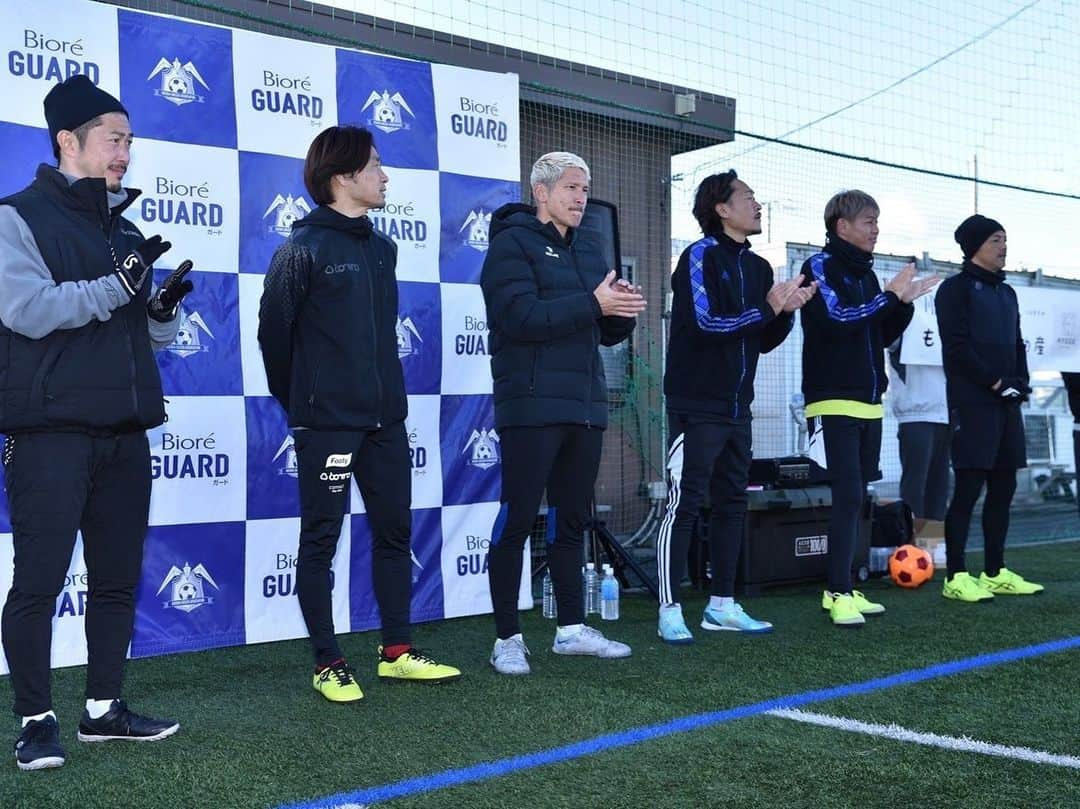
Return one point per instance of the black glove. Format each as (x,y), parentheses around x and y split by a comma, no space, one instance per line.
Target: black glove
(1013,389)
(163,305)
(133,269)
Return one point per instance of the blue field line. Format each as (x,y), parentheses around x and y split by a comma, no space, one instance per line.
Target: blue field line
(626,738)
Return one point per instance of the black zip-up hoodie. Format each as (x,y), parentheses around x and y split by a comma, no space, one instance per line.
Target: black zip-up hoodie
(847,326)
(979,323)
(720,324)
(327,325)
(545,323)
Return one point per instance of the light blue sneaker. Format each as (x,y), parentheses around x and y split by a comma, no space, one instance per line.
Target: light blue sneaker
(732,619)
(672,628)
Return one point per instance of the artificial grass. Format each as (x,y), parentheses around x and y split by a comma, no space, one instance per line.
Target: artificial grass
(256,735)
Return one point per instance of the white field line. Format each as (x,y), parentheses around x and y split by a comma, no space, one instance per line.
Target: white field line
(962,744)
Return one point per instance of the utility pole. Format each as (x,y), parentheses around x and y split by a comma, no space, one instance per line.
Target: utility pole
(976,182)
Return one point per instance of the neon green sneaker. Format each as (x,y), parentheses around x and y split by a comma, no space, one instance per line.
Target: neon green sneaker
(337,683)
(864,605)
(965,587)
(845,613)
(416,666)
(1007,583)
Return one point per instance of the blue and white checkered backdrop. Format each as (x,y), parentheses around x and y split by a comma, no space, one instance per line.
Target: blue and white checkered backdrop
(222,120)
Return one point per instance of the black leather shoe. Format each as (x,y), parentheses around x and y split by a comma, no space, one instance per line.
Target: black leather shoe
(119,723)
(38,746)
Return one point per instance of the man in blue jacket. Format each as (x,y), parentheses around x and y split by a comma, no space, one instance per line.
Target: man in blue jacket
(845,331)
(986,378)
(725,312)
(79,387)
(551,303)
(327,332)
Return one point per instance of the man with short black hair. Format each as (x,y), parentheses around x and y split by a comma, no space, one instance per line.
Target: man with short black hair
(845,331)
(725,312)
(79,387)
(986,376)
(327,332)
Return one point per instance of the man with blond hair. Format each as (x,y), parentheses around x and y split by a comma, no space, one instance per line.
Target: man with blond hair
(845,331)
(551,302)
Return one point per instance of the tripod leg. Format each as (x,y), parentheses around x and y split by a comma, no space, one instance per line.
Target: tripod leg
(621,559)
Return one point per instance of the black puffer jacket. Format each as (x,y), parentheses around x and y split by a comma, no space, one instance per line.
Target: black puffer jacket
(327,325)
(545,323)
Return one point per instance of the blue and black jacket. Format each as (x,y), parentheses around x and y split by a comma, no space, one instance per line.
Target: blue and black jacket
(720,324)
(847,326)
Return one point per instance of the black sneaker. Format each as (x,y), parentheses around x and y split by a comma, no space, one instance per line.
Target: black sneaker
(119,723)
(38,746)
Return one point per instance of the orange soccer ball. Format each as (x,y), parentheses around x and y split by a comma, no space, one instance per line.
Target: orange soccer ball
(910,566)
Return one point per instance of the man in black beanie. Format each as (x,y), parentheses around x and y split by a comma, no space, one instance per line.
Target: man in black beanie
(986,379)
(79,387)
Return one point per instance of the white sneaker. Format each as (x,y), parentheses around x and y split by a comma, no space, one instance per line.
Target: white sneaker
(590,641)
(508,656)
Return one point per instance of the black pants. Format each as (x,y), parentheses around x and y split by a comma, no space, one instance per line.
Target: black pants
(327,460)
(712,457)
(924,464)
(1000,487)
(1072,390)
(57,484)
(564,459)
(852,452)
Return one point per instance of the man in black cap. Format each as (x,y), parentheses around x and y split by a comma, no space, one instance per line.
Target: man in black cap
(986,380)
(79,387)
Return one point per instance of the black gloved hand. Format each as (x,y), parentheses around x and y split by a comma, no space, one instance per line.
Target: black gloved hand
(163,305)
(133,269)
(1013,389)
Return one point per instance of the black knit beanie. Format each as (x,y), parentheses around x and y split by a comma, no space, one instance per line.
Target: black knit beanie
(72,103)
(974,231)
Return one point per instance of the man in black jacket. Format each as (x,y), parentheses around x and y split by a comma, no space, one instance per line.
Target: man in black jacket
(725,312)
(327,332)
(551,302)
(845,331)
(986,380)
(79,387)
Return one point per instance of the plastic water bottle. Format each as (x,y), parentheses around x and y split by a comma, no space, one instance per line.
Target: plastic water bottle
(549,596)
(609,595)
(592,590)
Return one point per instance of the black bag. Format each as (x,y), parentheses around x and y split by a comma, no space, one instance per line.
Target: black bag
(893,525)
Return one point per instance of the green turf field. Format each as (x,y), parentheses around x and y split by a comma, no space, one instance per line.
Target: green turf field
(256,735)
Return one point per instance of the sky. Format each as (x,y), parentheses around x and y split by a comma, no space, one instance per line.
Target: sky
(931,85)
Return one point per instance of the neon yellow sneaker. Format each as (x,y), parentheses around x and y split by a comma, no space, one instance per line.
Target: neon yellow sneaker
(864,605)
(1007,583)
(965,587)
(337,683)
(845,613)
(416,666)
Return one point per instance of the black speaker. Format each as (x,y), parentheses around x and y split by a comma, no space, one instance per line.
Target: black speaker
(601,222)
